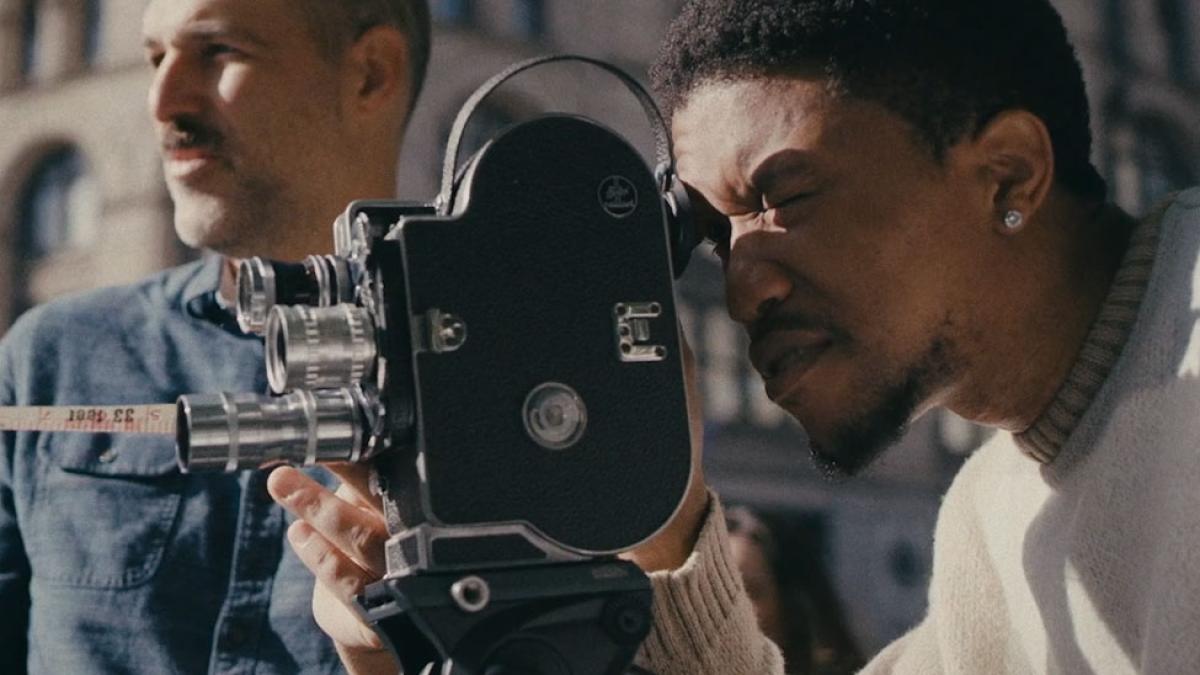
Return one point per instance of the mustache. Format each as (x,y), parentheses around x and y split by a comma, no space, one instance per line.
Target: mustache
(780,320)
(186,133)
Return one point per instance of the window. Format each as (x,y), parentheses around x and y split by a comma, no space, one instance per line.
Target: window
(528,18)
(59,207)
(57,211)
(29,39)
(455,12)
(93,14)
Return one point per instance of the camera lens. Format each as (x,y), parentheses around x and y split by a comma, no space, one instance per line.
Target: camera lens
(229,432)
(319,347)
(255,294)
(319,281)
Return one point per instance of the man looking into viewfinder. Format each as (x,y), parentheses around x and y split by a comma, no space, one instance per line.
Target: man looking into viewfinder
(902,197)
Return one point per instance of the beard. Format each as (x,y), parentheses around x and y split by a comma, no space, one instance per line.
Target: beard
(235,219)
(890,407)
(232,207)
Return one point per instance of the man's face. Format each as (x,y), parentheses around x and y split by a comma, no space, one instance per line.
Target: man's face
(247,114)
(848,251)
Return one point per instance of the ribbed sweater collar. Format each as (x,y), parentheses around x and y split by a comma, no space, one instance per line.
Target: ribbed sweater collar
(1101,348)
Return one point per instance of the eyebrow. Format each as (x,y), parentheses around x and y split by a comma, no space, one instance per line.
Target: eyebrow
(208,30)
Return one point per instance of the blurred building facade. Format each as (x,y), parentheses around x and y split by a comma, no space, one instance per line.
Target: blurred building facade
(82,204)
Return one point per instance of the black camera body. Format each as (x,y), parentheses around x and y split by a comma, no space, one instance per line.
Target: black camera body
(508,359)
(555,426)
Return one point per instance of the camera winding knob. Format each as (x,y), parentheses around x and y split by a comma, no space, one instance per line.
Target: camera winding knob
(555,416)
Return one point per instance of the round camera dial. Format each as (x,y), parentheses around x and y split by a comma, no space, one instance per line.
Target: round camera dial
(555,416)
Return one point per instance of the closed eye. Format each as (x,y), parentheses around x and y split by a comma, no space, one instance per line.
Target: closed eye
(214,50)
(789,201)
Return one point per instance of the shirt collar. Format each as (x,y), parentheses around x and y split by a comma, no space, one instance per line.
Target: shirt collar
(1101,348)
(200,295)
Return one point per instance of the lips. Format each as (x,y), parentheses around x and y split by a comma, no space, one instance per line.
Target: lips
(183,163)
(190,146)
(784,357)
(188,154)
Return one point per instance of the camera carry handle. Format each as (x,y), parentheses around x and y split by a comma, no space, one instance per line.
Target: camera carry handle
(663,149)
(683,236)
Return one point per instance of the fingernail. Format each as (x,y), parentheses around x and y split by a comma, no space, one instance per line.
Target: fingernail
(285,484)
(299,533)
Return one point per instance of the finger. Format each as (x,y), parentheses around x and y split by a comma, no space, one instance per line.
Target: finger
(339,581)
(355,483)
(342,622)
(336,571)
(373,661)
(359,533)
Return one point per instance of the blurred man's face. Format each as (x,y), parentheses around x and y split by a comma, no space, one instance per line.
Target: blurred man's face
(247,113)
(848,251)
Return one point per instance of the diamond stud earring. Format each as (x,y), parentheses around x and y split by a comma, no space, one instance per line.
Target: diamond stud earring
(1014,219)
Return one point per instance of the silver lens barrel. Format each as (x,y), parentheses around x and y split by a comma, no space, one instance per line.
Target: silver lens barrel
(255,294)
(332,278)
(319,281)
(319,347)
(230,432)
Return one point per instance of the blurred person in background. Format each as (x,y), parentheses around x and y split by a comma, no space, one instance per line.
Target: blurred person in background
(272,115)
(793,596)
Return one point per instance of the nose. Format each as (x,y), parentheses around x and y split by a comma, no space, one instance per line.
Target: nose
(177,88)
(755,280)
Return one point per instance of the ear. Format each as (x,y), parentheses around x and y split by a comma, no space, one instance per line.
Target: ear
(1018,163)
(378,72)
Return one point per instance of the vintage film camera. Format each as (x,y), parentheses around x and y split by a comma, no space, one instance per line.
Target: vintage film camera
(508,358)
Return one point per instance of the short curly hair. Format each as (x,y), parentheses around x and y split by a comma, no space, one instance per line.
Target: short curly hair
(945,66)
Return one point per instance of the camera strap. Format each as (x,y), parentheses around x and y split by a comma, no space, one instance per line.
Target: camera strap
(663,150)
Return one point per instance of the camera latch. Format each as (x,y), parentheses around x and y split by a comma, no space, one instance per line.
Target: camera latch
(634,323)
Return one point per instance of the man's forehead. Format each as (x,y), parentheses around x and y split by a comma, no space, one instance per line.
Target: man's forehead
(165,18)
(726,130)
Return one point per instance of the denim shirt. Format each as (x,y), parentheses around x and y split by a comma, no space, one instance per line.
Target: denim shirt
(111,560)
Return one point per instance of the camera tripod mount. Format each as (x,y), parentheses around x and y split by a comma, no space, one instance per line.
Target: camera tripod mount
(574,619)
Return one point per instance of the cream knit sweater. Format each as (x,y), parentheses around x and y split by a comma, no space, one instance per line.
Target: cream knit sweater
(1086,563)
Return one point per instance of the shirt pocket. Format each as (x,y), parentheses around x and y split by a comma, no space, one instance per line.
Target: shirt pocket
(103,509)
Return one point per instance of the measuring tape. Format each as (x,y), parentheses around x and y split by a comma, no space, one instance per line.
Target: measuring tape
(121,419)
